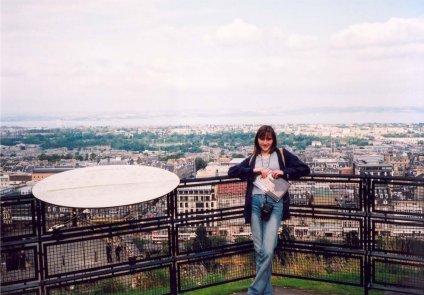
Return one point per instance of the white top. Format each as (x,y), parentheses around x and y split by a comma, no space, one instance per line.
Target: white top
(105,186)
(270,162)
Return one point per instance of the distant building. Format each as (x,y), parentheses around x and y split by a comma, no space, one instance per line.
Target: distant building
(415,207)
(4,180)
(347,170)
(196,199)
(230,194)
(17,179)
(183,167)
(400,163)
(41,173)
(193,201)
(213,170)
(373,165)
(328,165)
(114,161)
(235,161)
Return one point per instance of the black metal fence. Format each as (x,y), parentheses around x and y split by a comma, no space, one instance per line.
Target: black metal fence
(354,230)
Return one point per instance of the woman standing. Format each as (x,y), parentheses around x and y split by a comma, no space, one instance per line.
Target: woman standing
(266,160)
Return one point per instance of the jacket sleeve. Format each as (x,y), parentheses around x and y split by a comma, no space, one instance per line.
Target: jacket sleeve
(295,168)
(242,170)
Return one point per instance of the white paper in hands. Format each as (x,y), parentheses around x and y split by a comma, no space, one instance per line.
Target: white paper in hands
(273,187)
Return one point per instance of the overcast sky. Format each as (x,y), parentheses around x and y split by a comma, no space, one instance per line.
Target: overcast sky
(220,61)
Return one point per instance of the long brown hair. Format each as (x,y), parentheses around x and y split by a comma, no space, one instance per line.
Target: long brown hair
(262,132)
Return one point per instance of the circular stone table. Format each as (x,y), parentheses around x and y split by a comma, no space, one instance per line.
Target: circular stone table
(105,186)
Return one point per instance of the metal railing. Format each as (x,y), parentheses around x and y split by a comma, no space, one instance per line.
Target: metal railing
(354,230)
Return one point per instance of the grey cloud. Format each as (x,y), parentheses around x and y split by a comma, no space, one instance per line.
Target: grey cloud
(12,73)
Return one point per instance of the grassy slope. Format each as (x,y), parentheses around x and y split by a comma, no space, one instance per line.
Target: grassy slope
(312,286)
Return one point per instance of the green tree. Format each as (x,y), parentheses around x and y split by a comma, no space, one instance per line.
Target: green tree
(109,286)
(188,245)
(284,236)
(165,248)
(139,243)
(217,241)
(241,239)
(352,239)
(93,157)
(200,163)
(42,157)
(201,241)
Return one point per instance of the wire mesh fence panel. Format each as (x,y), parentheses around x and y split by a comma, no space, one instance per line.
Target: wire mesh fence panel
(328,267)
(399,197)
(82,255)
(65,218)
(398,237)
(196,236)
(215,270)
(18,265)
(201,200)
(230,195)
(147,282)
(17,219)
(329,231)
(325,193)
(21,292)
(398,273)
(128,246)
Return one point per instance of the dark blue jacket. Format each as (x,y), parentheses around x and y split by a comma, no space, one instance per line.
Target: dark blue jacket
(293,168)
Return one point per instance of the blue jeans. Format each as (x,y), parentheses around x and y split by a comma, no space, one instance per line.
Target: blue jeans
(265,237)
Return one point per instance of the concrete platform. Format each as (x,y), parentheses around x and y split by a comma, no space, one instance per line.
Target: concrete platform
(287,291)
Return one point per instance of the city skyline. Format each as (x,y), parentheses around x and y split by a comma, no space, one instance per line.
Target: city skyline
(324,116)
(159,63)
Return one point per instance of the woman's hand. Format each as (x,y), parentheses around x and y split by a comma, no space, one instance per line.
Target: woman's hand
(263,171)
(277,173)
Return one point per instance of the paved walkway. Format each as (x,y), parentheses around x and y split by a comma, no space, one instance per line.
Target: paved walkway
(287,291)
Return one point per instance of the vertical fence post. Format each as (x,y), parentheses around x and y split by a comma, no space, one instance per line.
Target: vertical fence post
(40,219)
(367,230)
(173,240)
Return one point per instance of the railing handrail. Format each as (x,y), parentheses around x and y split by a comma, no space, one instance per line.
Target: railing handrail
(311,176)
